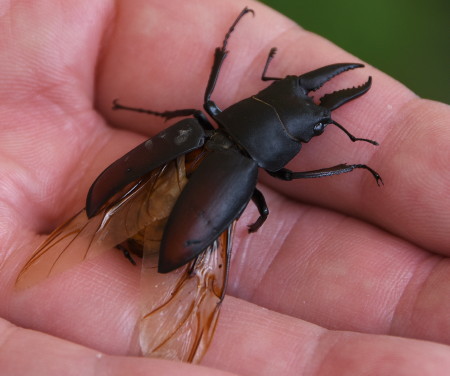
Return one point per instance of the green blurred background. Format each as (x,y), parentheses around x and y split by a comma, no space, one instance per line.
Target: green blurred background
(408,39)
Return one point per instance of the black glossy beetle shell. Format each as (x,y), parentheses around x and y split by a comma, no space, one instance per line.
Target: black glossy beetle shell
(296,111)
(272,124)
(250,124)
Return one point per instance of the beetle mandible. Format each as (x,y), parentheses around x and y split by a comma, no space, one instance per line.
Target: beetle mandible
(266,130)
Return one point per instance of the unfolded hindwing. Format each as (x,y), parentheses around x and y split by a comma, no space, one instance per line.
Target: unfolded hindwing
(179,309)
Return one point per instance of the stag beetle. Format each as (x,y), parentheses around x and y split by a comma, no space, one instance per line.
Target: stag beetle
(266,130)
(178,195)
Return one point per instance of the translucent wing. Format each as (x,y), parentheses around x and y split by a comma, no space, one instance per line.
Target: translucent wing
(181,308)
(56,253)
(146,204)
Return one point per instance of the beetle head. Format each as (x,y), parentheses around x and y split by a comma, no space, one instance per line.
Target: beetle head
(318,116)
(306,121)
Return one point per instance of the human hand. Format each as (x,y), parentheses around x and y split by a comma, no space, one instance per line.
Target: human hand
(344,277)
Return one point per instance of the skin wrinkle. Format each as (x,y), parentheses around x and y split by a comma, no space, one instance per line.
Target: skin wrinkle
(10,245)
(98,363)
(385,316)
(318,356)
(402,116)
(253,297)
(324,240)
(31,225)
(310,357)
(386,312)
(400,300)
(7,333)
(46,94)
(108,34)
(338,340)
(390,124)
(14,335)
(398,317)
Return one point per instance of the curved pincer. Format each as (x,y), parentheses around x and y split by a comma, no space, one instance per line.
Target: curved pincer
(315,79)
(338,98)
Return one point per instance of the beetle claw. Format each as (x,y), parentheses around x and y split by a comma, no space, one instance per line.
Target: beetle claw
(315,79)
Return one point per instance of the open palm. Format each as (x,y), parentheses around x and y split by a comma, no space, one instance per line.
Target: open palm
(343,278)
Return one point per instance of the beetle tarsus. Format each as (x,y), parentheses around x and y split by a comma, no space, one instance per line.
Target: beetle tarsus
(260,202)
(374,173)
(126,253)
(271,55)
(236,21)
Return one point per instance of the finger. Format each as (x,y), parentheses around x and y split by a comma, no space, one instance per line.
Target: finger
(412,161)
(30,352)
(250,340)
(340,273)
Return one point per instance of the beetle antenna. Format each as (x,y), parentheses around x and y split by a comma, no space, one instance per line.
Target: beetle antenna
(351,137)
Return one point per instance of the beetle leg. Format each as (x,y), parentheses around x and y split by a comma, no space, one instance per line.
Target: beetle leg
(166,114)
(203,120)
(285,174)
(199,115)
(260,202)
(126,253)
(219,56)
(271,55)
(212,109)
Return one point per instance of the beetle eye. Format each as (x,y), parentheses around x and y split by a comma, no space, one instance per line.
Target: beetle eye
(319,128)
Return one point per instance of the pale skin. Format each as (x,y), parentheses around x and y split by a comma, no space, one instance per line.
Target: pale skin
(344,277)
